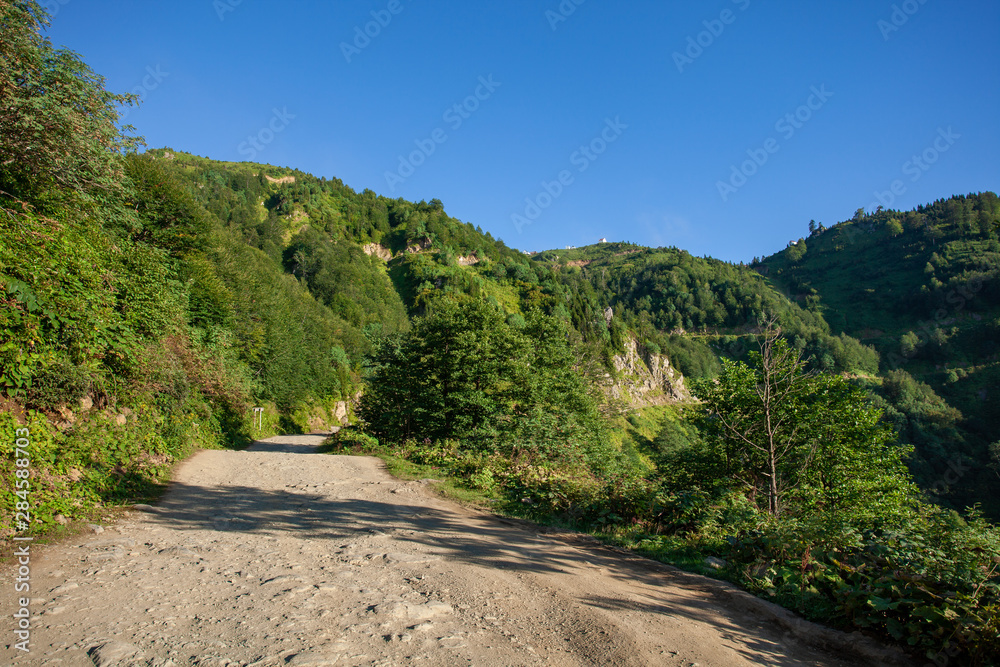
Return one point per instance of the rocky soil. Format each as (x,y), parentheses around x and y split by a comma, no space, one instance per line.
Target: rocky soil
(280,556)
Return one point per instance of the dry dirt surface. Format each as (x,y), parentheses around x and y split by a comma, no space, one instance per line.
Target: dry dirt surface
(281,556)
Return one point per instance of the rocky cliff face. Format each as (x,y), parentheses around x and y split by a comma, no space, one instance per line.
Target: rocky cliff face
(379,251)
(424,244)
(646,378)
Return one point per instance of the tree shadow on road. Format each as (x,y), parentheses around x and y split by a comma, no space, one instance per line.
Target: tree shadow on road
(478,539)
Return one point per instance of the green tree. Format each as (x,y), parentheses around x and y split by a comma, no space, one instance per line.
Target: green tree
(796,251)
(465,367)
(800,441)
(58,123)
(463,372)
(908,344)
(386,405)
(170,217)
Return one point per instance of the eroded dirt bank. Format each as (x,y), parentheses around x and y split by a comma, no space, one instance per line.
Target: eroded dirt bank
(279,556)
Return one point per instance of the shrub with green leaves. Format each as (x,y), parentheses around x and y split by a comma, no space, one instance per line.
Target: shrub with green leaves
(135,325)
(827,520)
(463,372)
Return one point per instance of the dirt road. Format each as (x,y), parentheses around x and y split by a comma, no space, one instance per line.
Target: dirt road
(279,556)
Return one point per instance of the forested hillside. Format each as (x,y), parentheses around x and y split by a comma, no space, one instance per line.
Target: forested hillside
(696,308)
(689,307)
(923,288)
(135,325)
(149,301)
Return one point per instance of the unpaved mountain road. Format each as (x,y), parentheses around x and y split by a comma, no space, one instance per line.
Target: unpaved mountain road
(279,556)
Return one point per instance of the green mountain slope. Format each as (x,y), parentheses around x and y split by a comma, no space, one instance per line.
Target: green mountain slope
(695,308)
(376,262)
(923,288)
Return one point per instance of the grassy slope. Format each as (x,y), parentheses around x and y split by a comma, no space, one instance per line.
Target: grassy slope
(874,285)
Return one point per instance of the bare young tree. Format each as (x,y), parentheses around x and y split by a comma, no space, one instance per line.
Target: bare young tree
(758,412)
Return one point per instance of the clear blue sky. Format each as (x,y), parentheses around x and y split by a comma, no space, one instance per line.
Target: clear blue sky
(222,69)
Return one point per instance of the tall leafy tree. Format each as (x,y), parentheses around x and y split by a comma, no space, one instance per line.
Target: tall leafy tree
(59,126)
(466,368)
(464,372)
(801,442)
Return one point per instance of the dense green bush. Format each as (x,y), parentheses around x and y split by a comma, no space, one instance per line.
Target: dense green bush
(930,583)
(355,441)
(58,123)
(464,372)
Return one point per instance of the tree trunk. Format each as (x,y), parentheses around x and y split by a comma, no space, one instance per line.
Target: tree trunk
(772,493)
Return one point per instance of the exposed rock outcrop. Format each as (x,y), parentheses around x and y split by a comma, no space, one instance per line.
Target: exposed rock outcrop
(379,251)
(340,412)
(424,244)
(646,378)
